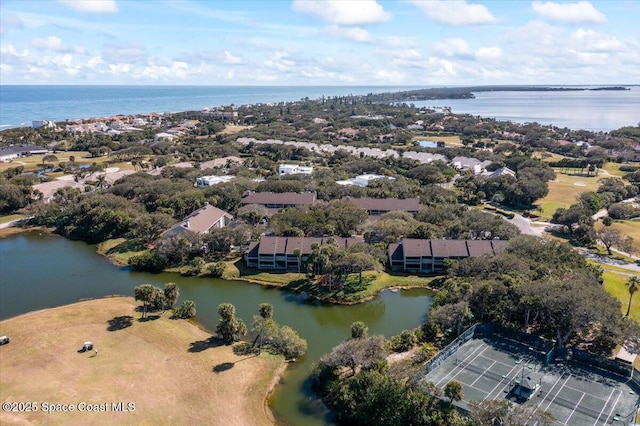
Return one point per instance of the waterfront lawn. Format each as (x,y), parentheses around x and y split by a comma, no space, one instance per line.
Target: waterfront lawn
(236,270)
(120,250)
(352,292)
(173,371)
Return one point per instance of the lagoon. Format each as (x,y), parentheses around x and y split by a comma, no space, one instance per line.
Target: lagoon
(594,110)
(39,271)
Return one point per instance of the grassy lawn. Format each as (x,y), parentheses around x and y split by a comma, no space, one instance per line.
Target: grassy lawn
(614,283)
(352,292)
(563,191)
(173,371)
(629,228)
(119,250)
(614,168)
(231,129)
(10,217)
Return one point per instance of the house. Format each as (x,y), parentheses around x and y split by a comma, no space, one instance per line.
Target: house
(419,255)
(12,152)
(363,180)
(49,124)
(502,171)
(468,163)
(221,162)
(163,136)
(378,206)
(202,221)
(205,181)
(49,189)
(282,252)
(278,201)
(294,169)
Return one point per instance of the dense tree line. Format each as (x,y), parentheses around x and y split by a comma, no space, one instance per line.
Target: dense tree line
(538,286)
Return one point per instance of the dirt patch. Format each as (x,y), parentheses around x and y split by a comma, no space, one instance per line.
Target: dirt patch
(144,366)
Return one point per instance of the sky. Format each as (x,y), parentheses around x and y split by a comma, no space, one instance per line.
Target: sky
(319,42)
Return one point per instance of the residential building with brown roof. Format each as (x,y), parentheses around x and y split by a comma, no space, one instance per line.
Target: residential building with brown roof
(418,255)
(202,221)
(277,201)
(378,206)
(280,252)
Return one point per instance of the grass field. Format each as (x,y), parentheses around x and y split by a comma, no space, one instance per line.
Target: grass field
(172,371)
(614,283)
(10,217)
(34,162)
(563,191)
(119,250)
(629,228)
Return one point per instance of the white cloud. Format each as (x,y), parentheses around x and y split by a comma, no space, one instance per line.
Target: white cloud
(55,44)
(94,62)
(281,62)
(6,68)
(91,6)
(115,53)
(456,12)
(10,50)
(119,68)
(591,41)
(343,12)
(488,53)
(407,54)
(230,59)
(350,33)
(453,47)
(580,12)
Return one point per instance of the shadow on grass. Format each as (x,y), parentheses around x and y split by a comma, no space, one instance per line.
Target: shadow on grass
(149,318)
(127,246)
(223,367)
(203,345)
(119,323)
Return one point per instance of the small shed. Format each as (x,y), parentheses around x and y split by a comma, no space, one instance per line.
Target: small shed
(526,388)
(626,355)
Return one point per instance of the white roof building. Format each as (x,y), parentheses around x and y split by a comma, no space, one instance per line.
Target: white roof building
(363,180)
(292,169)
(204,181)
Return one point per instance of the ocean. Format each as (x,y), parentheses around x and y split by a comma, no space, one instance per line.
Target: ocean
(589,110)
(19,105)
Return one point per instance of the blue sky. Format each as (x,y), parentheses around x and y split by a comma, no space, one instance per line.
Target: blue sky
(318,42)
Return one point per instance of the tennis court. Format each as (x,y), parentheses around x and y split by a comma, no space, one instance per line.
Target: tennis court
(496,368)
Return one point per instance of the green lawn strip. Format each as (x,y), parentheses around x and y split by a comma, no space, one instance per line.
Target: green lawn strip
(352,291)
(10,217)
(120,250)
(615,284)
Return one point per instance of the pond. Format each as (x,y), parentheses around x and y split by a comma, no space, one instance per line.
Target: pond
(40,271)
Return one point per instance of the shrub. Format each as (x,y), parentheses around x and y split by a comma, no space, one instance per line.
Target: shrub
(403,342)
(186,310)
(217,269)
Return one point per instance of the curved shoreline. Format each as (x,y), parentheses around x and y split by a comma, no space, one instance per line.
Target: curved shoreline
(279,285)
(35,345)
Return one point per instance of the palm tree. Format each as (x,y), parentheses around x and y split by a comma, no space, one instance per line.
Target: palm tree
(298,253)
(634,285)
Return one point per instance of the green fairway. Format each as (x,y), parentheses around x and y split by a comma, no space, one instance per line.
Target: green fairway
(564,190)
